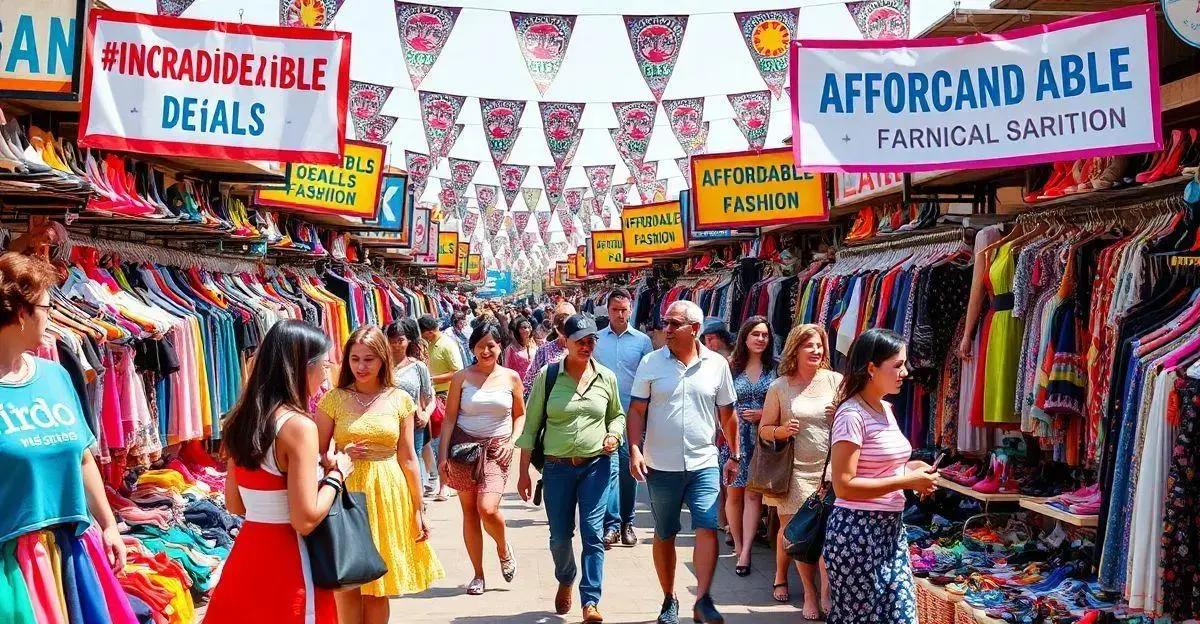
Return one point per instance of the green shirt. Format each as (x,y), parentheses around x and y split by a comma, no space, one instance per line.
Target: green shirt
(444,357)
(580,415)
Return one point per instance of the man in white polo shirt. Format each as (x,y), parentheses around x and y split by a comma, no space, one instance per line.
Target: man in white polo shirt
(681,394)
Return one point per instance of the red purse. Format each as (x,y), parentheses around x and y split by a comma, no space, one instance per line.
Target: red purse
(436,418)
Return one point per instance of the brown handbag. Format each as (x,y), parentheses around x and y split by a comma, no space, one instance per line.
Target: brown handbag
(771,467)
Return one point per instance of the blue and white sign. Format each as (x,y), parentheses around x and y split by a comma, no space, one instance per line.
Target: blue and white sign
(1184,18)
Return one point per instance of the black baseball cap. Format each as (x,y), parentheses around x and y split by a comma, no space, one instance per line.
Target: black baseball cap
(579,326)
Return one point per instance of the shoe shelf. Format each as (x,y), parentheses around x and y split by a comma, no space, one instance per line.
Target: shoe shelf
(1039,506)
(1093,199)
(943,482)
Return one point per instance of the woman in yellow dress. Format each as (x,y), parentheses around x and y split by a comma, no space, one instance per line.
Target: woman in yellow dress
(371,420)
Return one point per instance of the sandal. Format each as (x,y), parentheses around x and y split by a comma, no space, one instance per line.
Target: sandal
(508,567)
(742,570)
(784,596)
(812,616)
(475,587)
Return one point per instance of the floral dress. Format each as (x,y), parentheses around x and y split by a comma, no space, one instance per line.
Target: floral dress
(751,395)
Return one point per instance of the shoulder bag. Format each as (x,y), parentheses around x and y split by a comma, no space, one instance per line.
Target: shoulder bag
(805,532)
(537,457)
(341,551)
(771,467)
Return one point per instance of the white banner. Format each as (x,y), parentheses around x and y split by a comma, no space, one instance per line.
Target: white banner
(185,87)
(1081,87)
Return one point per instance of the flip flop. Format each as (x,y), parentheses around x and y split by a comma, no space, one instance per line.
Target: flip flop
(787,595)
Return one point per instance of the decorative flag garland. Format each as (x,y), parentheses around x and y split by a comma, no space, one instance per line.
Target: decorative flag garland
(600,179)
(656,41)
(543,222)
(645,177)
(768,35)
(553,180)
(687,123)
(376,130)
(462,171)
(469,222)
(439,112)
(531,195)
(620,194)
(752,114)
(501,126)
(418,165)
(560,120)
(174,8)
(307,13)
(511,179)
(485,196)
(366,100)
(453,200)
(881,19)
(635,124)
(573,197)
(424,30)
(543,41)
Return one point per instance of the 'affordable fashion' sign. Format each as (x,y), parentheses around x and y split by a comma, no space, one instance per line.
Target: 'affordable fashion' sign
(186,87)
(608,253)
(755,188)
(652,229)
(1085,86)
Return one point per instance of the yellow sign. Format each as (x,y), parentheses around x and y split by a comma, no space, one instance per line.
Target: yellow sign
(475,267)
(581,262)
(464,250)
(351,189)
(572,266)
(652,229)
(563,273)
(751,189)
(608,253)
(447,251)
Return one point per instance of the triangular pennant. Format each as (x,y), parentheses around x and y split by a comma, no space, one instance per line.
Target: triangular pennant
(543,41)
(881,19)
(656,41)
(493,220)
(553,180)
(752,114)
(424,30)
(573,198)
(645,176)
(686,116)
(768,36)
(173,8)
(453,200)
(485,196)
(531,195)
(451,139)
(520,218)
(597,205)
(605,215)
(376,130)
(685,167)
(469,223)
(307,13)
(560,121)
(511,178)
(501,126)
(564,218)
(620,194)
(418,166)
(439,114)
(600,178)
(635,125)
(366,100)
(531,241)
(543,222)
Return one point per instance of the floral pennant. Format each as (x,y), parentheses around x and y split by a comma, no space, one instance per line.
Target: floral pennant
(600,179)
(451,139)
(597,205)
(531,240)
(485,196)
(453,200)
(543,40)
(377,129)
(418,166)
(553,180)
(644,177)
(365,102)
(656,41)
(521,219)
(752,114)
(573,197)
(531,196)
(768,35)
(687,123)
(469,223)
(511,177)
(635,124)
(543,222)
(560,120)
(173,8)
(439,112)
(462,171)
(501,126)
(494,220)
(685,167)
(424,30)
(621,195)
(881,19)
(605,216)
(305,13)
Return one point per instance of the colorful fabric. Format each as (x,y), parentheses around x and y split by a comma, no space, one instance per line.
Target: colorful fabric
(870,577)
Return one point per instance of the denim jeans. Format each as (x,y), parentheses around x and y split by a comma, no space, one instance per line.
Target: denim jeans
(585,488)
(622,491)
(670,491)
(420,439)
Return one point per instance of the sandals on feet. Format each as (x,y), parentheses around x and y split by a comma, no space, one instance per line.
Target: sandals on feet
(813,616)
(780,596)
(508,566)
(475,587)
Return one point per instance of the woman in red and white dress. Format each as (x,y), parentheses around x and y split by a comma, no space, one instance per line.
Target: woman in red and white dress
(273,464)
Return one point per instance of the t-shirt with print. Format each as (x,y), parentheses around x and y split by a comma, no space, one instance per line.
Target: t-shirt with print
(883,450)
(43,436)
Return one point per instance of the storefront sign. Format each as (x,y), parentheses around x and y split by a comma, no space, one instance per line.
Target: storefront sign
(1081,87)
(687,211)
(573,266)
(464,250)
(1184,18)
(561,272)
(40,48)
(447,250)
(581,262)
(351,189)
(608,253)
(475,267)
(395,209)
(753,189)
(424,238)
(185,87)
(855,186)
(652,229)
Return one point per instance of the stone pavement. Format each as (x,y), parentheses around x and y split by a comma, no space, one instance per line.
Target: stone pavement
(631,592)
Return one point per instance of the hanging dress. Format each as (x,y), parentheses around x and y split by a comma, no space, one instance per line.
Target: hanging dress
(1004,343)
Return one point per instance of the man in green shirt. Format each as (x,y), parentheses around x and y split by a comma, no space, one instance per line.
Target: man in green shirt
(445,357)
(584,425)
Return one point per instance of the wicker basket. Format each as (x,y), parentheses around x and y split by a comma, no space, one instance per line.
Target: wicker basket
(935,605)
(964,614)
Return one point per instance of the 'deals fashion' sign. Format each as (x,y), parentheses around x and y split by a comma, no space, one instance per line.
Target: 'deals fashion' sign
(351,188)
(174,86)
(1085,86)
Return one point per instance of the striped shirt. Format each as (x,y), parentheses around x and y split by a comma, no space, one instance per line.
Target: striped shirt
(883,450)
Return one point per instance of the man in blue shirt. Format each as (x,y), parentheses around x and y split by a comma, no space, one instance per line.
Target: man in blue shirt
(620,348)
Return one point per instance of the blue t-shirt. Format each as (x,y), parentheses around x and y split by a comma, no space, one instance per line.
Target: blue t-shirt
(43,437)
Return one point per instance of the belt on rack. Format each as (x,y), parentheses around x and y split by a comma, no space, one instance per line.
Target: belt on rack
(1003,302)
(572,461)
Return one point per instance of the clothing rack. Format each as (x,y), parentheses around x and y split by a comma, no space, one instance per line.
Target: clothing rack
(956,234)
(1093,215)
(163,255)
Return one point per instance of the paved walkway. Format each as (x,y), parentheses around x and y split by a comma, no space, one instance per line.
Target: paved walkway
(631,592)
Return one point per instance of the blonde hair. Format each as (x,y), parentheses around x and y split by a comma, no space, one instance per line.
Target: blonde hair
(788,361)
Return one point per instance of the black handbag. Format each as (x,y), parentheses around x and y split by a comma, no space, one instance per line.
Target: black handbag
(341,551)
(466,452)
(805,532)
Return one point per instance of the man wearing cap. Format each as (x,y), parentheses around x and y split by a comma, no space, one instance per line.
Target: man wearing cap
(680,394)
(717,337)
(584,423)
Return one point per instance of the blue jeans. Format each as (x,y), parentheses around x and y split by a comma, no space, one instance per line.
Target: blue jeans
(622,491)
(584,487)
(420,439)
(669,491)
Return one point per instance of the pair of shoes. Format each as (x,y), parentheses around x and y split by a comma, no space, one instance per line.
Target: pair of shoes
(628,538)
(611,536)
(705,612)
(562,600)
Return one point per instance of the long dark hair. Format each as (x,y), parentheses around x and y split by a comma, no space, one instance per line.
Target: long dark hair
(484,329)
(874,346)
(406,327)
(515,328)
(741,353)
(279,378)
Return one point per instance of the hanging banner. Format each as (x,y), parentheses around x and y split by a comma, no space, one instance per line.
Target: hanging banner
(493,220)
(685,166)
(606,216)
(853,186)
(420,237)
(266,92)
(418,166)
(656,41)
(350,189)
(553,180)
(424,30)
(600,178)
(646,176)
(581,268)
(173,8)
(521,219)
(768,35)
(572,266)
(308,13)
(597,205)
(635,124)
(1081,87)
(560,121)
(501,126)
(452,200)
(568,224)
(450,140)
(563,270)
(393,213)
(366,101)
(469,223)
(475,267)
(652,229)
(511,178)
(531,196)
(574,199)
(429,256)
(608,253)
(377,129)
(687,123)
(752,114)
(543,40)
(543,223)
(621,195)
(881,19)
(462,171)
(439,111)
(485,196)
(753,189)
(41,44)
(447,250)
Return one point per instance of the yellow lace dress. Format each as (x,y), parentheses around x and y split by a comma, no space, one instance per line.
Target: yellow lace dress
(412,565)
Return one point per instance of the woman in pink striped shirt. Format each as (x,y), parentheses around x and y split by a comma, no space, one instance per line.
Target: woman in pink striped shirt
(866,550)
